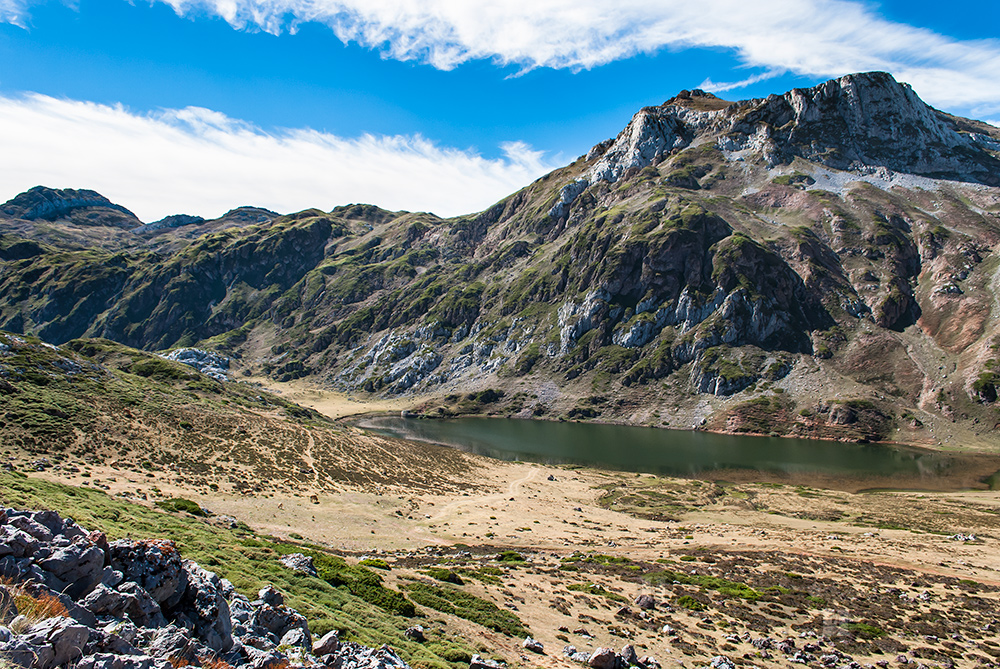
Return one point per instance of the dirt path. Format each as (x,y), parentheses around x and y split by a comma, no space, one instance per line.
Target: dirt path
(512,490)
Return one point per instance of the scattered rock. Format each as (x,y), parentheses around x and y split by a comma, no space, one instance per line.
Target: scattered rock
(327,645)
(478,662)
(299,562)
(603,658)
(533,645)
(645,602)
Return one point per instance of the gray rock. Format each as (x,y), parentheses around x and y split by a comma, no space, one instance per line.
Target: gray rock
(56,642)
(102,641)
(240,609)
(103,601)
(297,637)
(534,645)
(478,662)
(30,526)
(603,658)
(210,364)
(355,656)
(18,652)
(207,608)
(300,563)
(5,634)
(112,661)
(327,645)
(271,659)
(271,596)
(628,656)
(111,577)
(154,565)
(277,620)
(645,602)
(173,643)
(142,609)
(415,633)
(16,543)
(722,662)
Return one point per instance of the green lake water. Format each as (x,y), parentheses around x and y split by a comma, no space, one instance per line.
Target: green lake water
(690,454)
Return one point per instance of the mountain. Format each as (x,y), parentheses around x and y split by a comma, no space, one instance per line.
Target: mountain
(821,263)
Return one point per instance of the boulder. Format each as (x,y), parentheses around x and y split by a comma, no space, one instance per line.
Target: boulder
(645,602)
(240,609)
(55,642)
(271,659)
(603,658)
(112,661)
(206,608)
(74,569)
(104,601)
(271,596)
(155,565)
(30,526)
(415,633)
(16,543)
(142,609)
(478,662)
(174,644)
(628,656)
(534,645)
(277,620)
(300,563)
(297,637)
(327,645)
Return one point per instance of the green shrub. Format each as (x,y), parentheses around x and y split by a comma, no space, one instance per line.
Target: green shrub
(451,600)
(180,504)
(690,603)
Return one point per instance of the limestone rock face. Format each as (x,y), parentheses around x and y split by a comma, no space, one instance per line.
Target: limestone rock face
(859,121)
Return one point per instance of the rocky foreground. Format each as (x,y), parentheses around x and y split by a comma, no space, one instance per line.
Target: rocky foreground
(128,604)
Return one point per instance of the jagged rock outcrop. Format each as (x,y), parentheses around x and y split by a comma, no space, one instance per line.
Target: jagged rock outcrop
(139,605)
(41,203)
(208,363)
(859,121)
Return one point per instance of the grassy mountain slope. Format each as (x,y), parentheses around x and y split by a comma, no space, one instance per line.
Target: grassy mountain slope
(710,255)
(94,401)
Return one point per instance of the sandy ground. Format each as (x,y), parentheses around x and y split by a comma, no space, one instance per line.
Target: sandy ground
(848,548)
(328,402)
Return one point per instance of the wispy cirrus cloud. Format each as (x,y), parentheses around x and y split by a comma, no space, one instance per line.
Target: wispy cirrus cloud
(200,161)
(722,86)
(808,37)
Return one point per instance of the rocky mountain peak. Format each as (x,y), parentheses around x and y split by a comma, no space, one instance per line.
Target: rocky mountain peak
(49,204)
(858,122)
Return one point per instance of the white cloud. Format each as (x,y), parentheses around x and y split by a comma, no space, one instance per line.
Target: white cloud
(722,86)
(809,37)
(199,161)
(14,11)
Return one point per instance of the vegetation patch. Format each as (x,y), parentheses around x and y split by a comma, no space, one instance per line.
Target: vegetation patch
(598,590)
(179,504)
(451,600)
(723,586)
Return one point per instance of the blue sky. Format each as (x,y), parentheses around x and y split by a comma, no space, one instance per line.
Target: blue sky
(197,106)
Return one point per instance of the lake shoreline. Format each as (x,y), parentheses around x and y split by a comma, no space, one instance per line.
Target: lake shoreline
(959,471)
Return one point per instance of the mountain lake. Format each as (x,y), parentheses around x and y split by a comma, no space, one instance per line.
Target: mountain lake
(699,454)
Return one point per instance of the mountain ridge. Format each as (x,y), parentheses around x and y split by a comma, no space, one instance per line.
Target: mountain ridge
(845,233)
